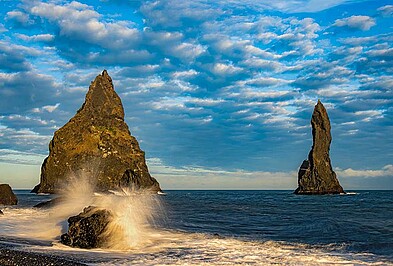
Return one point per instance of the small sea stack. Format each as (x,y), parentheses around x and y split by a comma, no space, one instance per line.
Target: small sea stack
(7,196)
(96,145)
(316,175)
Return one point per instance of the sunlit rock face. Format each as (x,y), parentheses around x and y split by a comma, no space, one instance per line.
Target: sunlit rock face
(96,143)
(316,175)
(7,196)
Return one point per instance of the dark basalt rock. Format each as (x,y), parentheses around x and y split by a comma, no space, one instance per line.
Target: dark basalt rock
(87,229)
(96,143)
(7,196)
(316,175)
(50,203)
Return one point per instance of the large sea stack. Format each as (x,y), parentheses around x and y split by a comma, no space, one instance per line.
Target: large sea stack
(316,175)
(96,145)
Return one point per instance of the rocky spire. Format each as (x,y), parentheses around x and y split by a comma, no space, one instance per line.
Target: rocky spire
(96,145)
(316,175)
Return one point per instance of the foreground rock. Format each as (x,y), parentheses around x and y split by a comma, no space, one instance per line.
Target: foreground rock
(87,229)
(7,197)
(96,144)
(316,175)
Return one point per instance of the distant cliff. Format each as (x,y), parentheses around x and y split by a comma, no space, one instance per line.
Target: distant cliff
(316,175)
(96,144)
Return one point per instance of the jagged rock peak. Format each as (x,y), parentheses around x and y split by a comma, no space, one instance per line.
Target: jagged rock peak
(316,175)
(96,144)
(102,100)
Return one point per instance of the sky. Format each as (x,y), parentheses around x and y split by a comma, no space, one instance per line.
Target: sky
(218,93)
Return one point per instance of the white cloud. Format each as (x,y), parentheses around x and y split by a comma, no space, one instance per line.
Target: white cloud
(205,101)
(80,22)
(25,119)
(19,137)
(19,16)
(169,103)
(36,38)
(187,51)
(356,22)
(184,74)
(388,53)
(20,157)
(386,11)
(225,69)
(48,108)
(263,64)
(267,81)
(386,171)
(22,50)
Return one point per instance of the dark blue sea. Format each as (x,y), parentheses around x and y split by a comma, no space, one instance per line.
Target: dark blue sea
(224,228)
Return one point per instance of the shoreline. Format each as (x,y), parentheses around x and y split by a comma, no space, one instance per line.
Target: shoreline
(10,256)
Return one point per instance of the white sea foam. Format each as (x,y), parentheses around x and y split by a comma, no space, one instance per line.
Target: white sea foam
(136,240)
(178,248)
(142,244)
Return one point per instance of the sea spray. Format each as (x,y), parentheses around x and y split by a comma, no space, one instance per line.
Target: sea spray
(134,211)
(135,214)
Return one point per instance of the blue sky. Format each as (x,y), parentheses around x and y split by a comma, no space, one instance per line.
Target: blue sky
(218,93)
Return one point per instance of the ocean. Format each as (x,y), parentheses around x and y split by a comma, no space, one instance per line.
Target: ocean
(217,228)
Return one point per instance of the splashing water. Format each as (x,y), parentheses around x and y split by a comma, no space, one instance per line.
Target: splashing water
(134,215)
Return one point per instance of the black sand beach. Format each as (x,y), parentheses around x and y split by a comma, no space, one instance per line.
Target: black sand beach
(10,256)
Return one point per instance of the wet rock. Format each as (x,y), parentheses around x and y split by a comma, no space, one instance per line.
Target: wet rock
(50,203)
(96,143)
(316,175)
(7,196)
(87,229)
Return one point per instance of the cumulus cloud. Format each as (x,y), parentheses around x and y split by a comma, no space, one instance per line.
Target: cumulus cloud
(386,11)
(356,22)
(19,17)
(80,22)
(222,69)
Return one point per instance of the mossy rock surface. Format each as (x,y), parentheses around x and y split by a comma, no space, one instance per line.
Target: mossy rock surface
(96,144)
